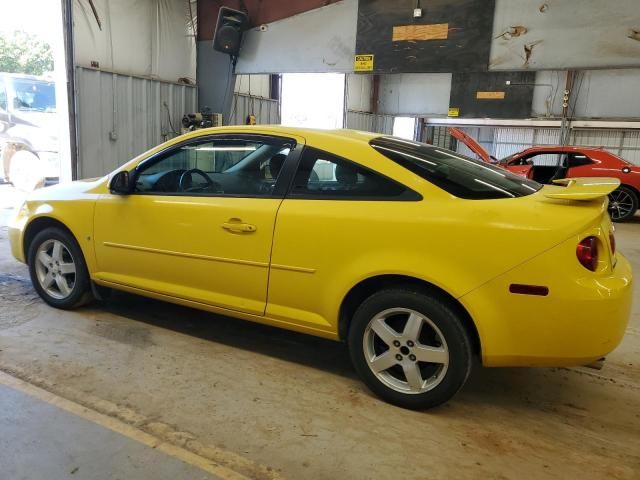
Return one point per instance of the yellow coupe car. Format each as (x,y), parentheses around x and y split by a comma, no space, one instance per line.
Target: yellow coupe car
(420,258)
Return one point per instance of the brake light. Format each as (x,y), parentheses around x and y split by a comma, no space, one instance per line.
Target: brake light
(587,253)
(612,242)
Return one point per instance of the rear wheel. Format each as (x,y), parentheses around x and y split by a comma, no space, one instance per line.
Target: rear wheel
(57,269)
(623,203)
(410,348)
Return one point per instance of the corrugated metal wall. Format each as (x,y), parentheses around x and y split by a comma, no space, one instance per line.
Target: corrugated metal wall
(504,141)
(484,136)
(145,113)
(266,110)
(624,143)
(508,141)
(370,122)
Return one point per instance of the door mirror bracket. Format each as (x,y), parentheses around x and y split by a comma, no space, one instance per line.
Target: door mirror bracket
(120,183)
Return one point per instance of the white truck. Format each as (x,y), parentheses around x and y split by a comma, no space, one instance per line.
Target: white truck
(29,143)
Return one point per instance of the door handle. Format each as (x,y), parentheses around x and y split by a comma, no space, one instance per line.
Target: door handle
(235,225)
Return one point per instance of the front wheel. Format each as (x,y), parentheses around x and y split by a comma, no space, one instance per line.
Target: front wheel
(57,269)
(410,348)
(623,203)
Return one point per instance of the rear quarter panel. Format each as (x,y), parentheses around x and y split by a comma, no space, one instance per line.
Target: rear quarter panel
(323,248)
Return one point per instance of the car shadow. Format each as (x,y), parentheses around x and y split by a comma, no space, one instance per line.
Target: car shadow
(291,346)
(526,387)
(635,220)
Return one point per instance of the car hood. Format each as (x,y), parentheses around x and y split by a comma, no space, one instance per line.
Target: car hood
(68,190)
(474,146)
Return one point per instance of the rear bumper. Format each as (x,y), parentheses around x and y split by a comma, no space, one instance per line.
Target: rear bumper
(583,318)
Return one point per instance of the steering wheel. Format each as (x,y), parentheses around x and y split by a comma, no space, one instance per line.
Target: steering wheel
(186,180)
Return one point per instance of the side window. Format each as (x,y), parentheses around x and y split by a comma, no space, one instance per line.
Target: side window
(3,96)
(323,175)
(546,159)
(235,167)
(579,160)
(518,162)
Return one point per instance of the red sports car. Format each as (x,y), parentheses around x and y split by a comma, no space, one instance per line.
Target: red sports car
(549,163)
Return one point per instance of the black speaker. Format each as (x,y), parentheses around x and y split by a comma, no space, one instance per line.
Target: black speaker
(229,29)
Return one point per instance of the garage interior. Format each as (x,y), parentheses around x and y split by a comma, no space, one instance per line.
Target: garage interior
(133,387)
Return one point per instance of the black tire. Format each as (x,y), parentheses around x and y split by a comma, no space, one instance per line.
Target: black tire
(629,197)
(80,289)
(440,315)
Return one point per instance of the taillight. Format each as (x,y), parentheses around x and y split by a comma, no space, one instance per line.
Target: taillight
(612,242)
(587,253)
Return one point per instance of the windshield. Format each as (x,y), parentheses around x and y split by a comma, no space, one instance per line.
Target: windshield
(459,175)
(505,160)
(34,95)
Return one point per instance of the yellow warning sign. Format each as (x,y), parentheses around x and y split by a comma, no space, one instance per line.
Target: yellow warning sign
(454,112)
(363,63)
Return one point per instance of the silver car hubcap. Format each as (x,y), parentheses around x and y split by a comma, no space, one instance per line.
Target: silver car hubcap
(405,350)
(55,269)
(620,204)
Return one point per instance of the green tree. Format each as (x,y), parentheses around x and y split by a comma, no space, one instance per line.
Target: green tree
(21,52)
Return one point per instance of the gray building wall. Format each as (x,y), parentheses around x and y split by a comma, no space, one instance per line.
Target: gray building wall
(415,94)
(321,40)
(565,34)
(145,113)
(215,78)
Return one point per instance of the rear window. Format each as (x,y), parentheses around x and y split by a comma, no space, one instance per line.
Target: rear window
(459,175)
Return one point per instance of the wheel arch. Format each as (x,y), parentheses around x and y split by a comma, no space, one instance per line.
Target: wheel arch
(633,189)
(37,225)
(365,288)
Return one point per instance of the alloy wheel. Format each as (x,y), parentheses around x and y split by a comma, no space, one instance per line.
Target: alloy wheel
(55,269)
(620,204)
(405,350)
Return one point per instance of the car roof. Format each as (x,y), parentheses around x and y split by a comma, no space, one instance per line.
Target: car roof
(311,134)
(562,148)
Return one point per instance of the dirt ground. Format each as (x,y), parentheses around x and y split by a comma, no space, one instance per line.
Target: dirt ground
(274,404)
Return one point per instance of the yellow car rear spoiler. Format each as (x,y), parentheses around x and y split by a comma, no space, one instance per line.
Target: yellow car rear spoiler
(583,188)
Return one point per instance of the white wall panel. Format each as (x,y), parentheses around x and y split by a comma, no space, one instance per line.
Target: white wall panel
(321,40)
(111,134)
(139,37)
(565,34)
(598,94)
(415,94)
(256,85)
(359,92)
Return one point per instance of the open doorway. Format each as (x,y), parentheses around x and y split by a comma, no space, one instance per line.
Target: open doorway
(34,113)
(404,127)
(313,100)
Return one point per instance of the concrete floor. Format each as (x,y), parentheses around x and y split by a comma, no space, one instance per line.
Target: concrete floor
(271,404)
(39,441)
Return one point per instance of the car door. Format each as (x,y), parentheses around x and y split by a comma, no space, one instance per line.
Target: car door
(523,170)
(200,222)
(337,213)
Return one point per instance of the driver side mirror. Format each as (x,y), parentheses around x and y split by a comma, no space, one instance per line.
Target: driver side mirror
(120,183)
